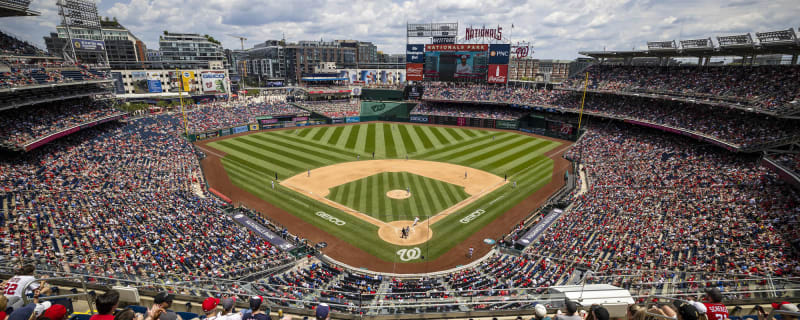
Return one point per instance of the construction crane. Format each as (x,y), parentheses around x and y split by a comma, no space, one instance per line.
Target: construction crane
(241,38)
(243,62)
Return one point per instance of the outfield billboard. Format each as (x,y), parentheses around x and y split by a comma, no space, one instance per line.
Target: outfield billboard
(414,71)
(154,82)
(187,81)
(213,82)
(139,82)
(499,53)
(498,73)
(88,45)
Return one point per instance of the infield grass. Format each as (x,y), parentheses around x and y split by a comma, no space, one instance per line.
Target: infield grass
(253,160)
(368,195)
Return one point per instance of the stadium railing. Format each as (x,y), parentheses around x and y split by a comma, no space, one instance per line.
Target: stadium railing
(742,290)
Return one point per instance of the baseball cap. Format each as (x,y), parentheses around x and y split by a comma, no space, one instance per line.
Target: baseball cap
(163,296)
(572,307)
(464,56)
(255,302)
(56,312)
(714,294)
(322,311)
(210,303)
(41,307)
(539,311)
(600,312)
(686,310)
(227,303)
(701,308)
(785,306)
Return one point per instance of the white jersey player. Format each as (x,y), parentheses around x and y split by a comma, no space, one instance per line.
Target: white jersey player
(21,284)
(416,219)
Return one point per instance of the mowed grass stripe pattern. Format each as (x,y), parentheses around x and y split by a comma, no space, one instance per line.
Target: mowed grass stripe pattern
(428,196)
(253,160)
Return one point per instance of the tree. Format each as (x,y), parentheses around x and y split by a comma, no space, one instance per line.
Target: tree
(165,32)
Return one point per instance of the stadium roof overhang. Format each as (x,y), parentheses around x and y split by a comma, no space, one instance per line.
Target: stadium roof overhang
(11,10)
(788,48)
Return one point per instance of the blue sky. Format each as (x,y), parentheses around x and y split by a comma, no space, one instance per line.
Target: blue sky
(558,29)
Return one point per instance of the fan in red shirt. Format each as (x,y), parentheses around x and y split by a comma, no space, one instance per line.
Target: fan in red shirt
(716,310)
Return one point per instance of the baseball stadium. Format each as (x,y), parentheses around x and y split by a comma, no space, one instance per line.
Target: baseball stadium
(463,178)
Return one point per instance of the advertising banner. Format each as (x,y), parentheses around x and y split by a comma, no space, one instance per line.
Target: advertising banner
(540,227)
(263,232)
(88,45)
(461,121)
(213,82)
(415,53)
(187,79)
(444,40)
(351,119)
(498,73)
(506,124)
(456,47)
(499,53)
(154,82)
(422,119)
(253,127)
(414,71)
(139,82)
(455,65)
(241,129)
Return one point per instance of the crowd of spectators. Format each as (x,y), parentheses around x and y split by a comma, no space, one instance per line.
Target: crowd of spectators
(789,161)
(19,127)
(729,125)
(124,201)
(768,88)
(219,115)
(448,91)
(10,45)
(334,108)
(664,202)
(467,111)
(19,72)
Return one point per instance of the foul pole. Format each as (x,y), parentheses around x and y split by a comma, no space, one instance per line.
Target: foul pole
(585,87)
(180,97)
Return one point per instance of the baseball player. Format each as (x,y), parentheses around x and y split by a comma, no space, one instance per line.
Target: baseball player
(309,172)
(465,174)
(416,219)
(273,184)
(471,250)
(408,191)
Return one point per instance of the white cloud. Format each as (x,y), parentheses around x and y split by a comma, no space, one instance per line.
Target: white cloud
(558,28)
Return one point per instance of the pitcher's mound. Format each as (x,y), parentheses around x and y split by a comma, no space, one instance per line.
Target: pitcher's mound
(398,194)
(391,232)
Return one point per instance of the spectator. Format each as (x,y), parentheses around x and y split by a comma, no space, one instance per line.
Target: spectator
(256,312)
(540,312)
(715,309)
(570,311)
(56,312)
(106,305)
(228,312)
(209,308)
(323,312)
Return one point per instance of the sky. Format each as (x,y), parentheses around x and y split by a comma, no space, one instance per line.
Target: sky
(557,29)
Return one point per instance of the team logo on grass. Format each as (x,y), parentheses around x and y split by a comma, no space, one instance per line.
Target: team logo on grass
(330,218)
(409,254)
(472,216)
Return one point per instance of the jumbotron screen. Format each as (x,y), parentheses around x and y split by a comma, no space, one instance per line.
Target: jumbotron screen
(456,62)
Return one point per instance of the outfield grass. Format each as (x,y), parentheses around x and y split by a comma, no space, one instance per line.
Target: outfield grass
(253,160)
(368,195)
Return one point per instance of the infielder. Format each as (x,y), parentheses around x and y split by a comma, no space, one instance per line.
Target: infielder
(416,219)
(273,184)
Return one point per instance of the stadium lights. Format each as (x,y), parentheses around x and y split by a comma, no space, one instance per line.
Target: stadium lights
(697,44)
(777,37)
(661,45)
(742,40)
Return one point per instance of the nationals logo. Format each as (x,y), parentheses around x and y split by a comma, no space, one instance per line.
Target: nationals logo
(472,33)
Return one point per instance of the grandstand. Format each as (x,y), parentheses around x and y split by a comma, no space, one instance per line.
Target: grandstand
(685,179)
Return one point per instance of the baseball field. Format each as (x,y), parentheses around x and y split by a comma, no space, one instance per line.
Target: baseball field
(363,183)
